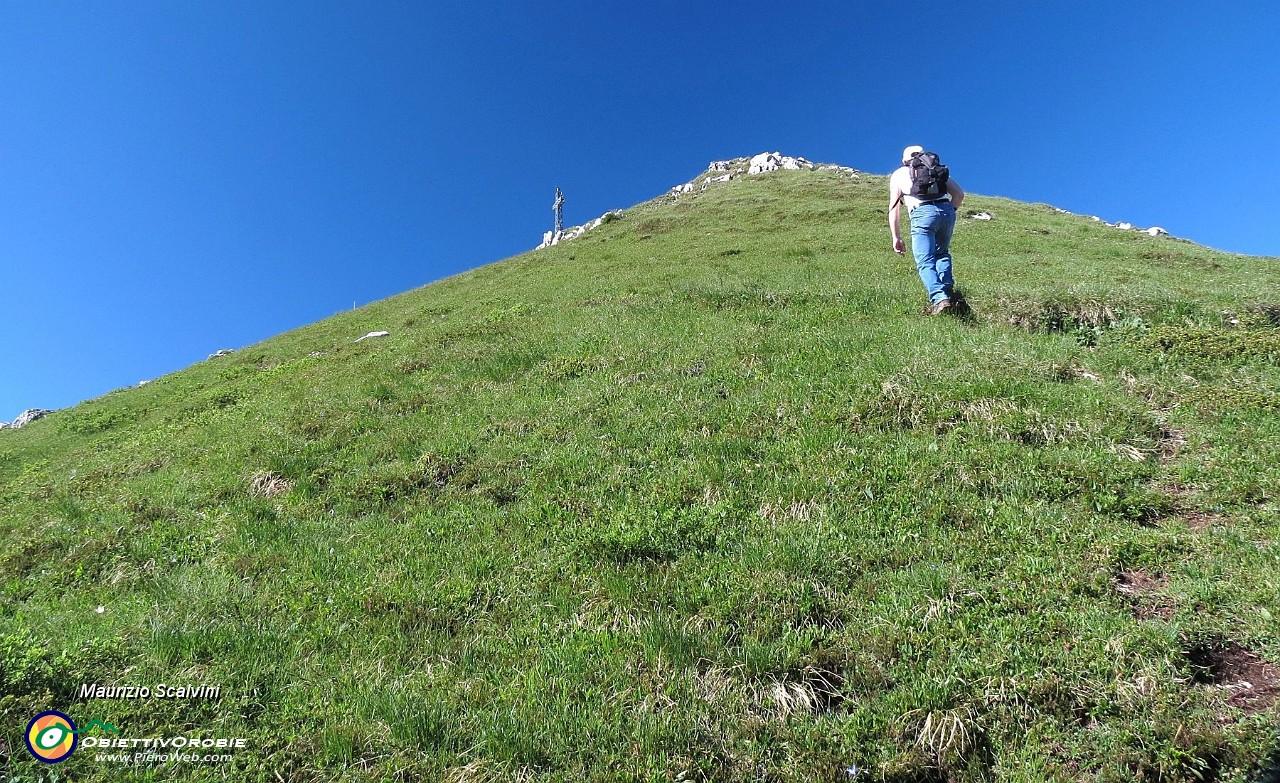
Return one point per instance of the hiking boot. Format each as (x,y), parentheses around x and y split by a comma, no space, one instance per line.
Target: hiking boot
(940,307)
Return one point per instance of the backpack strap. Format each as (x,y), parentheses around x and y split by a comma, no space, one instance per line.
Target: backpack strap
(906,164)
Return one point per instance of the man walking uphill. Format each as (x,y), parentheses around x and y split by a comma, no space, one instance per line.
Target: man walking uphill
(931,196)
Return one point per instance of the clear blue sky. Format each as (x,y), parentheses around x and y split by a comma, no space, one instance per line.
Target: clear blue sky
(179,177)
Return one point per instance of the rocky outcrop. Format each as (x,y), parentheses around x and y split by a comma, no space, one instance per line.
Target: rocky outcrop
(725,170)
(718,171)
(550,238)
(25,418)
(773,161)
(1155,231)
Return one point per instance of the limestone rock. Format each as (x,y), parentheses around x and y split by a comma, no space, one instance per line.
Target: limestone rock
(765,162)
(981,216)
(220,353)
(735,166)
(772,161)
(372,335)
(1156,231)
(845,170)
(550,238)
(28,416)
(725,170)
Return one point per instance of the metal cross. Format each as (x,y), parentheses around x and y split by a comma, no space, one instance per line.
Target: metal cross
(559,209)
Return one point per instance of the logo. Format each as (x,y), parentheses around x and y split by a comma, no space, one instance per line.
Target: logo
(51,737)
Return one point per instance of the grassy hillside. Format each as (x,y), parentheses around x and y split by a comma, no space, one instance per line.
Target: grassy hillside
(698,496)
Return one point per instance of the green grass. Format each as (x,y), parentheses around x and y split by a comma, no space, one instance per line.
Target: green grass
(697,496)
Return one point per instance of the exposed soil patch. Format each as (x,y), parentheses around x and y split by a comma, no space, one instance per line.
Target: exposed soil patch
(1201,520)
(1147,591)
(1174,489)
(1253,684)
(1140,582)
(1195,518)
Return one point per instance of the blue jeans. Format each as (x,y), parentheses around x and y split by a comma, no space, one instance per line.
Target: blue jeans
(931,227)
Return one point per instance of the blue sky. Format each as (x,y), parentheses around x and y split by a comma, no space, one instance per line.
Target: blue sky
(179,177)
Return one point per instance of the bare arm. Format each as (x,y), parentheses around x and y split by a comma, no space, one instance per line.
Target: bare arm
(895,216)
(957,194)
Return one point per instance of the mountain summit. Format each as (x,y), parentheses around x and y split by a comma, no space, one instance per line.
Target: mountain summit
(698,495)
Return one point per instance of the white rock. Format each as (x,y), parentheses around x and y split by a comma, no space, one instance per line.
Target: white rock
(28,416)
(1156,231)
(373,334)
(1095,218)
(765,162)
(853,173)
(549,238)
(981,216)
(718,165)
(4,425)
(220,353)
(721,178)
(1124,226)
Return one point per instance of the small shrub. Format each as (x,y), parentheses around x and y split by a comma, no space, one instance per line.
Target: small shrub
(88,420)
(1224,345)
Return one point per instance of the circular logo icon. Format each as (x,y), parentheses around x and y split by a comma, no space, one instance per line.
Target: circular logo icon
(51,737)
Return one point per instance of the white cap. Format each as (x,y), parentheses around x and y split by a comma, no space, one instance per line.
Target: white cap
(909,151)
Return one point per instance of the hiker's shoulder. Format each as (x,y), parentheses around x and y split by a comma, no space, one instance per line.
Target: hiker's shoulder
(900,176)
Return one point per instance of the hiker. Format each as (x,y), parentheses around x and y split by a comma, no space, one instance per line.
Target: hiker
(932,197)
